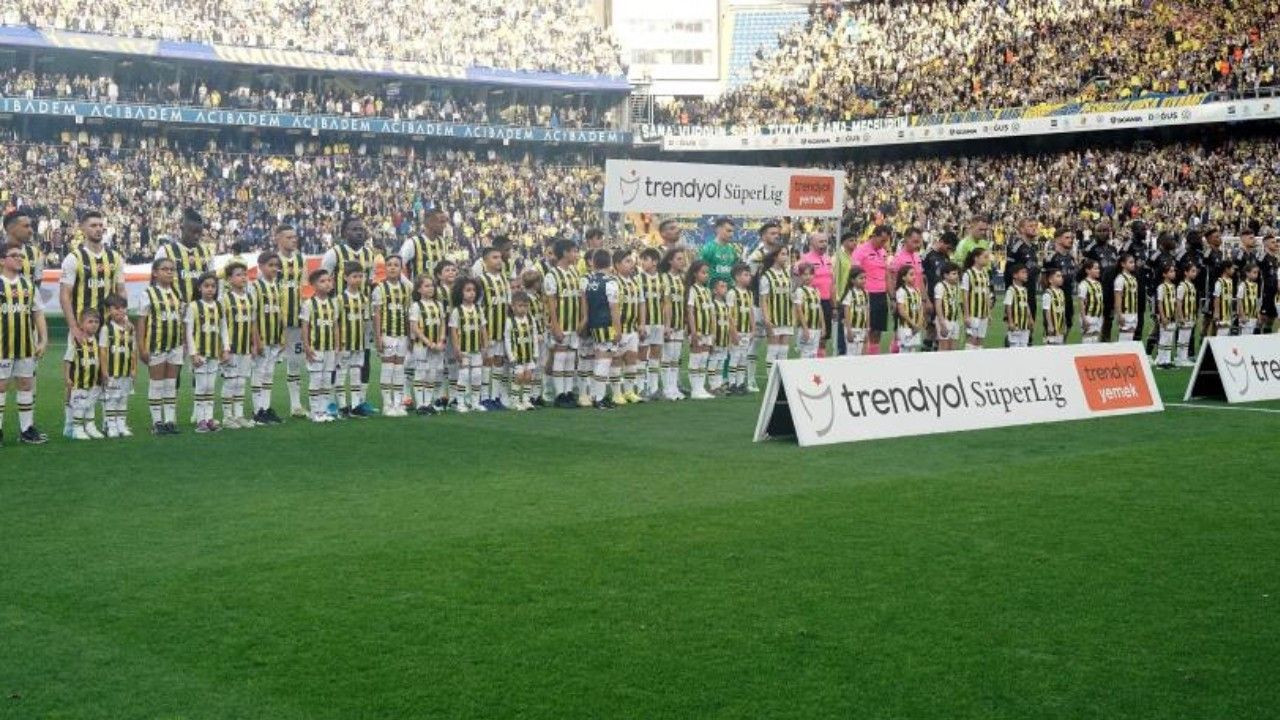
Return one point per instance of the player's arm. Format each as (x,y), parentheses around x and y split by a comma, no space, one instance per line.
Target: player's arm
(1008,308)
(64,297)
(731,299)
(197,360)
(456,335)
(140,332)
(120,289)
(582,308)
(550,293)
(104,354)
(226,338)
(374,303)
(766,313)
(42,331)
(615,310)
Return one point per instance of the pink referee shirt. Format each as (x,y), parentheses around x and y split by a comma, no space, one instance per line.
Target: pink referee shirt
(822,276)
(906,257)
(873,261)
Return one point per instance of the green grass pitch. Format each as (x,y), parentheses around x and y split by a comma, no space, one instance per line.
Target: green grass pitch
(650,562)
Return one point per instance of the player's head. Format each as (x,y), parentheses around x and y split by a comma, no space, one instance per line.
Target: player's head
(321,281)
(594,238)
(424,288)
(1127,262)
(466,291)
(857,278)
(1089,268)
(353,274)
(649,259)
(601,260)
(719,287)
(394,266)
(565,248)
(353,231)
(769,233)
(18,225)
(162,270)
(1190,270)
(950,272)
(117,307)
(502,243)
(236,273)
(669,230)
(520,303)
(724,228)
(905,277)
(1052,278)
(623,262)
(977,257)
(286,238)
(741,273)
(90,321)
(13,256)
(446,271)
(191,228)
(93,225)
(435,222)
(531,279)
(207,285)
(804,271)
(697,274)
(1018,272)
(849,241)
(492,260)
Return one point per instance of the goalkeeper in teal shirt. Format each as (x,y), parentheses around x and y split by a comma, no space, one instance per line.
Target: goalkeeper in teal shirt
(721,254)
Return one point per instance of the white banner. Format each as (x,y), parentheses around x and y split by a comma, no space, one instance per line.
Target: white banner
(847,399)
(1243,368)
(736,190)
(897,131)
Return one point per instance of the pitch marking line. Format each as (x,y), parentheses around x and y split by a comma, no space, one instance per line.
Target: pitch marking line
(1221,407)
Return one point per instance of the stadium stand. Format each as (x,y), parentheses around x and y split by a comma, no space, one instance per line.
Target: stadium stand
(755,38)
(877,59)
(533,35)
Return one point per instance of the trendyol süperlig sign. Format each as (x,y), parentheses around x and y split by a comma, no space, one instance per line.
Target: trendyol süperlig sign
(736,190)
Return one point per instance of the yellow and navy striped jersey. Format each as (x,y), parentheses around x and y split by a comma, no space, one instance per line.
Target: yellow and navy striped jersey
(427,252)
(809,304)
(353,312)
(496,300)
(95,279)
(17,310)
(1091,298)
(83,360)
(1055,318)
(674,285)
(702,309)
(1225,289)
(1167,302)
(468,321)
(269,312)
(1019,310)
(392,299)
(207,323)
(190,263)
(915,308)
(1128,293)
(743,310)
(1190,303)
(367,259)
(858,306)
(629,294)
(237,308)
(568,303)
(775,297)
(952,306)
(1248,297)
(430,316)
(164,319)
(290,280)
(537,311)
(978,292)
(32,265)
(723,323)
(320,315)
(521,333)
(652,286)
(117,342)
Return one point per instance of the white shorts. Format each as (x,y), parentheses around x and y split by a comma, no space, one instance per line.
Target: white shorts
(395,347)
(293,345)
(950,330)
(82,400)
(653,335)
(211,366)
(239,366)
(1053,340)
(592,348)
(20,368)
(522,369)
(118,388)
(630,342)
(172,357)
(495,349)
(855,341)
(326,361)
(1128,322)
(471,360)
(757,316)
(784,330)
(1092,325)
(976,327)
(908,338)
(266,362)
(1019,338)
(351,359)
(1248,327)
(571,341)
(700,339)
(587,345)
(425,359)
(808,335)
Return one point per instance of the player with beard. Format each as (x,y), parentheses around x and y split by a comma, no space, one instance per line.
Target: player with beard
(355,248)
(1210,258)
(1136,245)
(1063,258)
(1024,252)
(1107,256)
(1159,259)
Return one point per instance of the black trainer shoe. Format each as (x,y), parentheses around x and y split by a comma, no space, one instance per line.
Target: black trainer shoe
(33,436)
(538,402)
(272,417)
(172,429)
(601,405)
(159,429)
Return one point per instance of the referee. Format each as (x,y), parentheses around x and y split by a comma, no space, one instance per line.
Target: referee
(873,257)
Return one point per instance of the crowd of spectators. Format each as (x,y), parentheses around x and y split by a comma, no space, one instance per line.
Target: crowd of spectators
(443,105)
(142,186)
(881,58)
(540,35)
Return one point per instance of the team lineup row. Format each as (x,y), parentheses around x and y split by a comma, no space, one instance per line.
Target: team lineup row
(572,335)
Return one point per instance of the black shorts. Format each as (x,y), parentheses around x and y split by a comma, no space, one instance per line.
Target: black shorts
(878,305)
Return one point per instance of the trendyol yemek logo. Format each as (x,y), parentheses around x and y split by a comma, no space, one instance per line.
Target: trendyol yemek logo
(1235,367)
(629,186)
(819,405)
